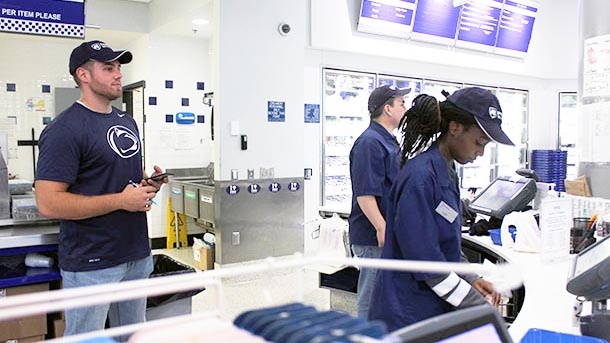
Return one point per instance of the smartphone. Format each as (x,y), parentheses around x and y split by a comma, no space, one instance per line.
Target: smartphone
(159,177)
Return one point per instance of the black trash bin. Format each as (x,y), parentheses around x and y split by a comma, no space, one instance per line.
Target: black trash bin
(172,304)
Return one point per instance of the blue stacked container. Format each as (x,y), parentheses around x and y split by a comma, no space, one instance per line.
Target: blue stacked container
(551,166)
(545,336)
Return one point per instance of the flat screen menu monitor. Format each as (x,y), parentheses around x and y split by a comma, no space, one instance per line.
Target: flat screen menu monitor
(504,195)
(497,26)
(590,276)
(390,18)
(480,323)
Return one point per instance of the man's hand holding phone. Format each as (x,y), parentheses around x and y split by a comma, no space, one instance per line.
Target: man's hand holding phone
(157,179)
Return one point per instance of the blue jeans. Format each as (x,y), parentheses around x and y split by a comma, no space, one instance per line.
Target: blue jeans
(92,318)
(366,280)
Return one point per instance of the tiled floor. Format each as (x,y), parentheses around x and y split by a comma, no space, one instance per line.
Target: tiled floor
(255,291)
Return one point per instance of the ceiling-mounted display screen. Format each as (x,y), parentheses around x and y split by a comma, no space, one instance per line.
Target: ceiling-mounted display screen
(436,21)
(516,25)
(387,17)
(479,24)
(496,26)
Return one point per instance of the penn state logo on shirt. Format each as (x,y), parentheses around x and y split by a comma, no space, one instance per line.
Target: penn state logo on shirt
(494,113)
(123,141)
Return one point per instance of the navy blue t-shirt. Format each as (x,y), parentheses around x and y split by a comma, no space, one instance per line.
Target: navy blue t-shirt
(96,154)
(374,164)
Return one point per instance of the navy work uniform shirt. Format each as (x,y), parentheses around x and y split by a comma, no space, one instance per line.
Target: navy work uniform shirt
(423,223)
(374,164)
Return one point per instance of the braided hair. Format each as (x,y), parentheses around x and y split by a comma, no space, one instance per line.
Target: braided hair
(426,121)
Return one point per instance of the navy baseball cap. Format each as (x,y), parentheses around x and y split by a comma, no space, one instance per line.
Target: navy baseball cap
(97,51)
(380,95)
(486,110)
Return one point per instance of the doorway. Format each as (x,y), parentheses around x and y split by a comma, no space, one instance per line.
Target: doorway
(133,100)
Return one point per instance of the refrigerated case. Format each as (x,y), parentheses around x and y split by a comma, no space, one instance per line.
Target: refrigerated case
(345,116)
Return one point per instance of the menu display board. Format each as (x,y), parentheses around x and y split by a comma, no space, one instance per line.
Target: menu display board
(436,21)
(479,24)
(387,17)
(497,26)
(516,25)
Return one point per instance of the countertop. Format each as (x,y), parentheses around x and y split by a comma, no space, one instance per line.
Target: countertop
(15,235)
(547,304)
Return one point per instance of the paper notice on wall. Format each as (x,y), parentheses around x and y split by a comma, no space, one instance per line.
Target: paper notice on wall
(555,225)
(165,140)
(594,132)
(185,137)
(181,137)
(596,67)
(8,125)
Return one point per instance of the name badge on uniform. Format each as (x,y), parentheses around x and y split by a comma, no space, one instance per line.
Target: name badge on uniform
(446,211)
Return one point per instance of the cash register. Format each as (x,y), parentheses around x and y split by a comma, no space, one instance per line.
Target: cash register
(590,278)
(504,195)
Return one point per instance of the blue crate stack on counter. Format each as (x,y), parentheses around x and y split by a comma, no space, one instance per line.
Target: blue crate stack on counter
(551,166)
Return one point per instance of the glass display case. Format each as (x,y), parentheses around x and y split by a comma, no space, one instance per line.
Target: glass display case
(345,116)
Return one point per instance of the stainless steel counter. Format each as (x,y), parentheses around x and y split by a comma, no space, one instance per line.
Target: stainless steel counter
(14,235)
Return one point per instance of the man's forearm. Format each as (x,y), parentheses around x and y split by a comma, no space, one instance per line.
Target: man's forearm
(368,205)
(65,205)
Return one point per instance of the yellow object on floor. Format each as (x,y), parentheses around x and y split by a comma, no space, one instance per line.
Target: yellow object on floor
(171,227)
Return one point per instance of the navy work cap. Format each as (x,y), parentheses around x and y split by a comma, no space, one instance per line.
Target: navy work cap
(486,110)
(380,95)
(96,51)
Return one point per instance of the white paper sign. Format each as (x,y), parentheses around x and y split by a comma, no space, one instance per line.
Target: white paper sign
(555,225)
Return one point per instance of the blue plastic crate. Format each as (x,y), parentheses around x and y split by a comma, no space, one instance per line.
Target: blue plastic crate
(496,236)
(545,336)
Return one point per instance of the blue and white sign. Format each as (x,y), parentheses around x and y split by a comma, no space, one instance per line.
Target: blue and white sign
(275,187)
(232,189)
(294,186)
(312,113)
(276,111)
(254,188)
(65,18)
(185,118)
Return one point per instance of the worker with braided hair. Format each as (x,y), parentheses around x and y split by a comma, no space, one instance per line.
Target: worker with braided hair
(424,221)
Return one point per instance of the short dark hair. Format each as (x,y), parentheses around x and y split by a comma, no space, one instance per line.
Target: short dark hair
(379,110)
(87,65)
(426,120)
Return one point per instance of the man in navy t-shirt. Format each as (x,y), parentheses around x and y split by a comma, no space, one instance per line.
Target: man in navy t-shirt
(90,176)
(373,163)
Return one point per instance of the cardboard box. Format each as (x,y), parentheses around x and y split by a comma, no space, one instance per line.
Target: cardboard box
(27,327)
(59,326)
(31,339)
(203,257)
